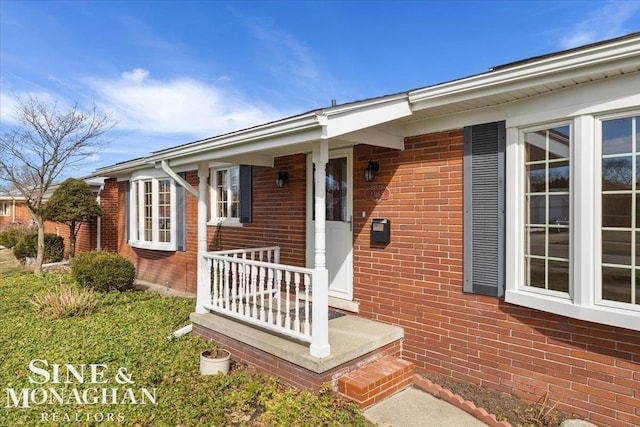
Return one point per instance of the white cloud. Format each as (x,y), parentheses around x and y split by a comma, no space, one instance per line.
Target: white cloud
(178,106)
(9,103)
(608,21)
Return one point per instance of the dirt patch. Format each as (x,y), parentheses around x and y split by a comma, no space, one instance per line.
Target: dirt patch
(504,406)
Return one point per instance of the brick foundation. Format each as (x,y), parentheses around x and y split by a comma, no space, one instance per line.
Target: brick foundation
(287,371)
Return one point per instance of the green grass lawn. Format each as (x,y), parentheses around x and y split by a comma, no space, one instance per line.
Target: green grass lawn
(129,331)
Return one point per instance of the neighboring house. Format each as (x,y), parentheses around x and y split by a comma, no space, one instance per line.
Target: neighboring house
(13,212)
(486,229)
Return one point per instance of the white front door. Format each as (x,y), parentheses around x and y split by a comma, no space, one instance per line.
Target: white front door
(339,217)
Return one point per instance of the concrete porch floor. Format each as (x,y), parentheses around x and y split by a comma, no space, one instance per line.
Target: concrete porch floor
(350,338)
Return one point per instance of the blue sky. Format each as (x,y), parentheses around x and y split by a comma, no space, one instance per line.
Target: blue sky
(171,72)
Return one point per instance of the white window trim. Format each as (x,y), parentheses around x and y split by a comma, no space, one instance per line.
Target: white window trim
(136,222)
(581,302)
(5,209)
(215,220)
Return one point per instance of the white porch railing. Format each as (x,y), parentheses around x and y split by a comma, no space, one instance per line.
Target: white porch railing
(251,285)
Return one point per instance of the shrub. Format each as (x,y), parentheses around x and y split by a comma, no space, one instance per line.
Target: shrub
(66,302)
(12,235)
(103,271)
(28,247)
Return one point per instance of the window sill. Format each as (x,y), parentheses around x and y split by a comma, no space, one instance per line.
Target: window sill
(225,223)
(168,247)
(565,307)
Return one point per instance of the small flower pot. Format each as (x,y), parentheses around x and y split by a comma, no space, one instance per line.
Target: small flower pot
(213,361)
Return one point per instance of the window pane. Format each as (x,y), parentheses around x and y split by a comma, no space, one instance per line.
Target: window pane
(164,211)
(537,178)
(559,176)
(616,136)
(536,146)
(536,273)
(234,191)
(616,210)
(617,173)
(547,208)
(148,211)
(616,284)
(616,247)
(536,242)
(221,194)
(558,276)
(559,143)
(558,244)
(336,197)
(558,207)
(537,210)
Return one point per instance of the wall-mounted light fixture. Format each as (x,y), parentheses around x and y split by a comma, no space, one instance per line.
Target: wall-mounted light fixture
(370,171)
(282,179)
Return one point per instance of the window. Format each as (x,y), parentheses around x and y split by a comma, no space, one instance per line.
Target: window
(573,218)
(547,198)
(153,213)
(620,221)
(5,209)
(226,194)
(231,195)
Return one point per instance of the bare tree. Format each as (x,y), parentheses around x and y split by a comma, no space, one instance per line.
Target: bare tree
(43,144)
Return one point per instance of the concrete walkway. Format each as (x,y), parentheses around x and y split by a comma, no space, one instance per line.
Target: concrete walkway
(413,407)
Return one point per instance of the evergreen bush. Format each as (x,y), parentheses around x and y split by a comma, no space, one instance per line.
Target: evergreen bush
(28,247)
(12,235)
(103,271)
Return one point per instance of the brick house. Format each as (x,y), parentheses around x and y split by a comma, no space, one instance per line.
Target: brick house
(486,229)
(13,211)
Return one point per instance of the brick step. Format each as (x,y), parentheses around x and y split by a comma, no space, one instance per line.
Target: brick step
(376,381)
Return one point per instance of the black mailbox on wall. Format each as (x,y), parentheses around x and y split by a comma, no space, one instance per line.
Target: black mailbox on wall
(380,230)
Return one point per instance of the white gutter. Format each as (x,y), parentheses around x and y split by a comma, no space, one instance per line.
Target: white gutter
(621,54)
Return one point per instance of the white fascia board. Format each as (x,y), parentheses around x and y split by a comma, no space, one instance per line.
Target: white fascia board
(547,70)
(365,115)
(270,132)
(249,151)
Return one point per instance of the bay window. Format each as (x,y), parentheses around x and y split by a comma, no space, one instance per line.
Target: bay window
(620,222)
(573,218)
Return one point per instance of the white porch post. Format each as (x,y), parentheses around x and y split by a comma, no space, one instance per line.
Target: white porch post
(320,307)
(204,287)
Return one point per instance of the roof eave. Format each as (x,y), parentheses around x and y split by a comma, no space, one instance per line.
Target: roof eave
(522,74)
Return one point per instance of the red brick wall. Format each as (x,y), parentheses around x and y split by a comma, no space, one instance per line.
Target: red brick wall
(416,282)
(279,214)
(22,215)
(86,238)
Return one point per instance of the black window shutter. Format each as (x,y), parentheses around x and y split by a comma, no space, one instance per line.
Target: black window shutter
(484,209)
(127,210)
(245,194)
(181,216)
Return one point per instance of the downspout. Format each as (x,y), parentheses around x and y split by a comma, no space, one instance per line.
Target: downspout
(99,221)
(13,218)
